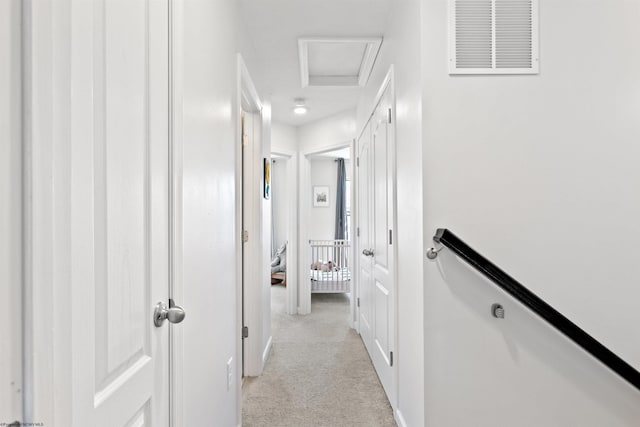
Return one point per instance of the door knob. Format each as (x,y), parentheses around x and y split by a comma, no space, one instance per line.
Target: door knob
(367,252)
(173,313)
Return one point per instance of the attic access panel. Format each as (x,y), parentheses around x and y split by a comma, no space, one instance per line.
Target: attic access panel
(333,61)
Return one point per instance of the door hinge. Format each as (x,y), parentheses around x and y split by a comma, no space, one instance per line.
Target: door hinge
(357,231)
(391,237)
(357,161)
(245,332)
(391,358)
(389,115)
(358,302)
(245,236)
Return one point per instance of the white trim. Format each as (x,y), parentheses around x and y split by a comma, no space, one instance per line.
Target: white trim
(355,225)
(46,164)
(267,351)
(367,62)
(303,58)
(399,418)
(353,319)
(371,52)
(292,232)
(248,90)
(11,211)
(238,245)
(388,80)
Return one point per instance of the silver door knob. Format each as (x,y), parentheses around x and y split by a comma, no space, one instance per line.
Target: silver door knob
(367,252)
(173,313)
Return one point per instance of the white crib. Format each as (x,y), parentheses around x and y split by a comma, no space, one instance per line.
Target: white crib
(329,272)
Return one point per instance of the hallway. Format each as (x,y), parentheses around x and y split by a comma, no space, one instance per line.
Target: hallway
(318,373)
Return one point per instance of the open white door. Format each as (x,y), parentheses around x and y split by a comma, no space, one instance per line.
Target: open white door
(119,213)
(375,244)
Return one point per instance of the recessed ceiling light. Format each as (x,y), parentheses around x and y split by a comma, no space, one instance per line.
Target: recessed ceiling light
(299,108)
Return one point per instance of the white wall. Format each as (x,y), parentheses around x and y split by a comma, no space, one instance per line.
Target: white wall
(209,196)
(283,141)
(401,47)
(280,200)
(328,132)
(324,172)
(10,213)
(283,138)
(539,173)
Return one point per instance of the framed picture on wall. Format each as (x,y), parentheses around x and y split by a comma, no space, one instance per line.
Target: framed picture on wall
(267,178)
(321,196)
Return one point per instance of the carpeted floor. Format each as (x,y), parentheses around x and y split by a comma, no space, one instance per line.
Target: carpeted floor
(319,372)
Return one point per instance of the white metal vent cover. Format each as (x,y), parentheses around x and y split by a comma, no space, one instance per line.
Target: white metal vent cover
(335,61)
(493,37)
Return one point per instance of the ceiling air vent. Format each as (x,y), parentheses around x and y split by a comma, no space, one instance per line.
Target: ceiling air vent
(493,36)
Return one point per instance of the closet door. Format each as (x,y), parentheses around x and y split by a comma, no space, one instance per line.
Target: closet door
(376,219)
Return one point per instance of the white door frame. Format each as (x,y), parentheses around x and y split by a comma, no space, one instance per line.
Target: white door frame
(176,232)
(305,202)
(254,354)
(355,212)
(292,228)
(389,82)
(46,163)
(11,211)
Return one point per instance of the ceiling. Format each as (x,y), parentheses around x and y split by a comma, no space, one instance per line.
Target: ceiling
(273,28)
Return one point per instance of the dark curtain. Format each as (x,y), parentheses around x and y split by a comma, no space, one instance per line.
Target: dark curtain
(341,202)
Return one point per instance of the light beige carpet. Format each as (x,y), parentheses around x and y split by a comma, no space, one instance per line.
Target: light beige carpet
(319,372)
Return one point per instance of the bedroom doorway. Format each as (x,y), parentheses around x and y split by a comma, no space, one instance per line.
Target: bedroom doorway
(284,225)
(326,200)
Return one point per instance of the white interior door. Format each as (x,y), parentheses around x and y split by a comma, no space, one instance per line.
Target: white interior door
(364,238)
(382,211)
(120,212)
(375,244)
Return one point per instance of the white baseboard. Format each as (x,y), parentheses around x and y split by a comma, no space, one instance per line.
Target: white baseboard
(267,351)
(399,418)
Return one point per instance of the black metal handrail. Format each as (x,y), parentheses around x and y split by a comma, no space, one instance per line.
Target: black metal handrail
(537,305)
